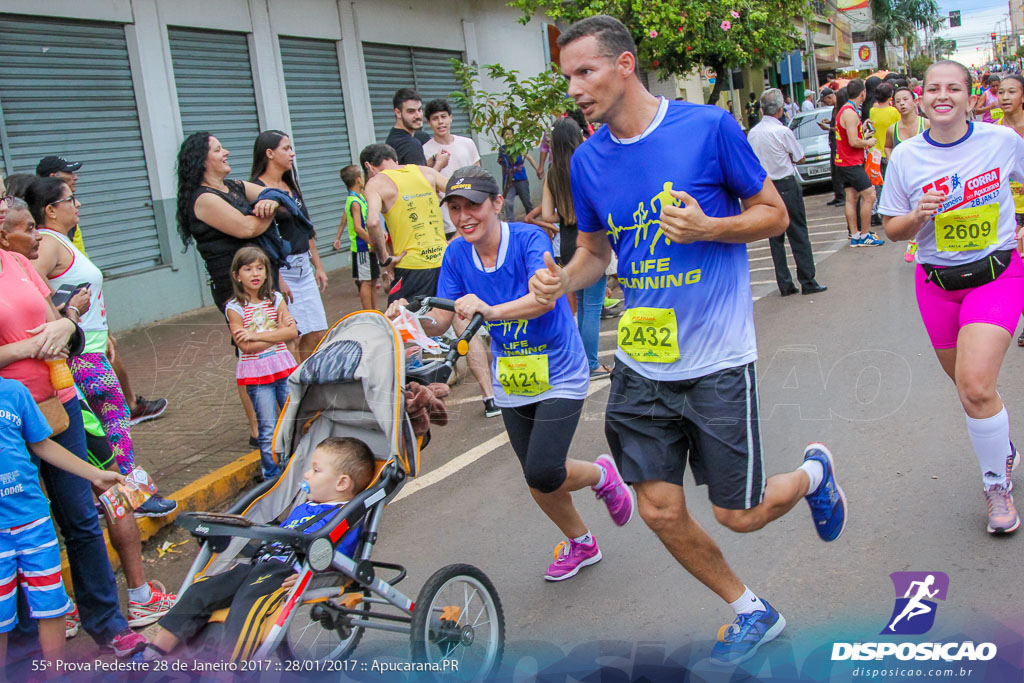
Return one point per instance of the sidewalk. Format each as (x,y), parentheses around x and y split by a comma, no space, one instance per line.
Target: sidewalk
(189,360)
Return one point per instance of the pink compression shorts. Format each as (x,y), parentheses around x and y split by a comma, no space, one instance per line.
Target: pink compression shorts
(944,312)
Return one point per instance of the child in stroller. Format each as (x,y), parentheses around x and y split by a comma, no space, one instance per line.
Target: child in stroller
(340,468)
(354,385)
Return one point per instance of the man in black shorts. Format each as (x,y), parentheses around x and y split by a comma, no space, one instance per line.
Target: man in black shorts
(850,149)
(684,389)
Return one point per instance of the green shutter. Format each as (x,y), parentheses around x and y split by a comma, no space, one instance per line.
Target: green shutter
(319,132)
(66,89)
(389,68)
(213,77)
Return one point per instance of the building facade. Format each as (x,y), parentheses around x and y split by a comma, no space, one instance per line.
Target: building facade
(118,84)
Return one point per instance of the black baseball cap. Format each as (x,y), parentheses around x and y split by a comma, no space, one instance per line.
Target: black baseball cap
(50,165)
(476,190)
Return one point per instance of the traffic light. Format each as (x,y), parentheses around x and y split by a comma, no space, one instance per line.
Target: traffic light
(993,35)
(954,18)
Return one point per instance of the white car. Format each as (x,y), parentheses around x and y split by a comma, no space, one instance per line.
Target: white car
(816,167)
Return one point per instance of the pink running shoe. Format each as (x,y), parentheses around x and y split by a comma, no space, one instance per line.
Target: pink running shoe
(160,603)
(570,557)
(1002,515)
(125,644)
(620,498)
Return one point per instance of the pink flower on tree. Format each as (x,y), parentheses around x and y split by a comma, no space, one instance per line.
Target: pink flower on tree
(735,14)
(726,25)
(653,34)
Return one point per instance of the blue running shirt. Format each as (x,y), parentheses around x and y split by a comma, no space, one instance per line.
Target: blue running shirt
(620,186)
(553,334)
(304,512)
(21,423)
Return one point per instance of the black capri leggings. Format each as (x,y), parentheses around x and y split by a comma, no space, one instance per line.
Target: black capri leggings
(540,434)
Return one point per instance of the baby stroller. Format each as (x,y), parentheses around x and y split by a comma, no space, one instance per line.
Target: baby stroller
(353,386)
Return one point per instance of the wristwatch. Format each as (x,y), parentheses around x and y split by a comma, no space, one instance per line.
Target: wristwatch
(387,262)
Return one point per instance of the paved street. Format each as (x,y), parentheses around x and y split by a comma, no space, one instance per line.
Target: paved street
(851,367)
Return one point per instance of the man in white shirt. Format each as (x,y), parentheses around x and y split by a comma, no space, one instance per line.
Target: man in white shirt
(462,151)
(808,104)
(777,148)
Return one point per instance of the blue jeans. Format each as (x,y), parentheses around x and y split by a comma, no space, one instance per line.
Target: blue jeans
(71,501)
(267,400)
(589,303)
(521,189)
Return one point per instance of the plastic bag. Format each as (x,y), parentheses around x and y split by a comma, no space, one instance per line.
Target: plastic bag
(873,166)
(408,326)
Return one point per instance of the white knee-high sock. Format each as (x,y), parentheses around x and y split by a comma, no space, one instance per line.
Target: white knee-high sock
(990,437)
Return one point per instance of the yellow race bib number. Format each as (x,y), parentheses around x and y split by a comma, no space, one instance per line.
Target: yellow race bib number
(524,375)
(967,229)
(649,335)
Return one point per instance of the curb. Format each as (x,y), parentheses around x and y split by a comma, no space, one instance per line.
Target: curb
(206,493)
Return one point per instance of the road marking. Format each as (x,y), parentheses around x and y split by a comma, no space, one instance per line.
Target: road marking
(468,458)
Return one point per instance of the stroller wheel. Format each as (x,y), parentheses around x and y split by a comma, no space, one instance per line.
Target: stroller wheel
(458,618)
(318,633)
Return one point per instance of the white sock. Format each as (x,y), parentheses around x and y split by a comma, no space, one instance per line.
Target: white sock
(747,603)
(815,472)
(141,594)
(585,539)
(990,437)
(603,479)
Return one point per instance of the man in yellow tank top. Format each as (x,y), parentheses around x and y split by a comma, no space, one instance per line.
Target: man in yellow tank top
(407,197)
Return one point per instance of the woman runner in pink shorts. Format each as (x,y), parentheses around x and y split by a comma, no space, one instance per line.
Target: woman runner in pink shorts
(950,188)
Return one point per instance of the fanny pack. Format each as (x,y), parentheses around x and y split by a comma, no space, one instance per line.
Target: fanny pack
(968,275)
(53,410)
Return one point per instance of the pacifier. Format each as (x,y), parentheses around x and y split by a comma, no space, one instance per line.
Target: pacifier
(304,486)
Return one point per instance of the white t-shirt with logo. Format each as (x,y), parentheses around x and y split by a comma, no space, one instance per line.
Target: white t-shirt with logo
(975,173)
(463,153)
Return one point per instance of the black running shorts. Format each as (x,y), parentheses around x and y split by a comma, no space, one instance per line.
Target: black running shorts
(409,283)
(654,427)
(853,176)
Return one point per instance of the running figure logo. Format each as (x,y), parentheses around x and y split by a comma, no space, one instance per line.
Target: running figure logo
(914,613)
(644,219)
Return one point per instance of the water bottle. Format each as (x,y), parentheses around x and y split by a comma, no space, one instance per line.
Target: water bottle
(60,374)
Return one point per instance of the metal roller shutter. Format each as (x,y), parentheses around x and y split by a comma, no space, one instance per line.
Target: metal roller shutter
(389,68)
(434,79)
(213,78)
(66,89)
(316,106)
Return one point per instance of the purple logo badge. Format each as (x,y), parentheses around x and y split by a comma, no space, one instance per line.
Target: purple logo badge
(916,592)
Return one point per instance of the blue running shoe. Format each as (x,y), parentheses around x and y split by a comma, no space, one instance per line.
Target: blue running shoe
(872,240)
(740,640)
(828,502)
(856,241)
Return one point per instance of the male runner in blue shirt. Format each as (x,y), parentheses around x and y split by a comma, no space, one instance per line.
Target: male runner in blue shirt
(661,184)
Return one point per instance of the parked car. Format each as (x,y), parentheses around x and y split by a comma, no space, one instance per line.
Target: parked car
(815,169)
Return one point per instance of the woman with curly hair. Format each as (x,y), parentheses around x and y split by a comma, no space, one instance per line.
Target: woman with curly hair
(273,159)
(221,216)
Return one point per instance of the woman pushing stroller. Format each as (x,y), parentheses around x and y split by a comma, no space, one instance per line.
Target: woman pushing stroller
(540,368)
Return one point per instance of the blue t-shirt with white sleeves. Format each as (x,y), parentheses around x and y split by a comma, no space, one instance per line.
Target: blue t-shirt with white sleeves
(21,497)
(553,334)
(619,187)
